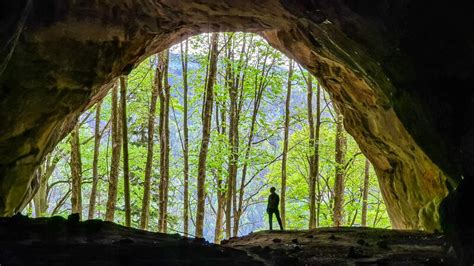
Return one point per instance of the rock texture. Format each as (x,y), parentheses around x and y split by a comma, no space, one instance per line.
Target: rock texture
(396,69)
(346,246)
(56,241)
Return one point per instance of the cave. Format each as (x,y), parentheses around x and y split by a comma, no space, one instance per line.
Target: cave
(400,72)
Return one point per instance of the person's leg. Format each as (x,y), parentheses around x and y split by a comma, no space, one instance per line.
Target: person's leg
(270,217)
(277,213)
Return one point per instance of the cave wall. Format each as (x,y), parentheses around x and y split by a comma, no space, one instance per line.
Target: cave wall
(382,64)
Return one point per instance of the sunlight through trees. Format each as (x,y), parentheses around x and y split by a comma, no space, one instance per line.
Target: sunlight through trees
(194,137)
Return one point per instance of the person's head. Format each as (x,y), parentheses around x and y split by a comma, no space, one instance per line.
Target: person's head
(272,189)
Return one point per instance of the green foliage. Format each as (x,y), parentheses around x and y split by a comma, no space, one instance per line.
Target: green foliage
(264,161)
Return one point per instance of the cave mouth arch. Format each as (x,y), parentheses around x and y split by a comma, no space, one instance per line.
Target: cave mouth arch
(100,41)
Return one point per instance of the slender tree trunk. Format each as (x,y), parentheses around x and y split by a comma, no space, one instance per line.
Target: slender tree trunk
(36,202)
(115,164)
(76,173)
(354,217)
(166,162)
(314,151)
(164,94)
(126,171)
(338,215)
(318,204)
(377,210)
(238,82)
(260,85)
(365,192)
(239,211)
(285,146)
(44,173)
(95,162)
(184,62)
(220,207)
(206,133)
(219,180)
(233,137)
(220,213)
(311,157)
(145,212)
(40,199)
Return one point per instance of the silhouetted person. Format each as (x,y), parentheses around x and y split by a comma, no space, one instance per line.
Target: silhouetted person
(272,208)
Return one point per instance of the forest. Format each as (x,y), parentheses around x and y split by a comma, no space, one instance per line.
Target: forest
(192,140)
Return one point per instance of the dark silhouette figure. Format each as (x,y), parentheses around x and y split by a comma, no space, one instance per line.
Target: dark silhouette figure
(272,208)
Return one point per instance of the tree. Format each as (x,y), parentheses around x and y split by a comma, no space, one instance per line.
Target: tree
(340,153)
(126,171)
(145,212)
(261,82)
(313,158)
(218,174)
(251,73)
(164,132)
(285,145)
(76,172)
(365,193)
(316,155)
(95,162)
(233,87)
(234,81)
(43,174)
(115,161)
(206,128)
(185,146)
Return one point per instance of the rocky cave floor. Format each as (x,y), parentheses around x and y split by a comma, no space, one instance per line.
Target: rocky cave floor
(57,241)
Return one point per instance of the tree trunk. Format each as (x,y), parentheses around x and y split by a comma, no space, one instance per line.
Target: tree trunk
(220,213)
(95,162)
(126,171)
(285,146)
(338,215)
(219,179)
(44,173)
(206,133)
(234,82)
(220,207)
(377,210)
(184,62)
(115,161)
(365,193)
(314,151)
(76,173)
(233,137)
(40,200)
(312,177)
(163,94)
(145,212)
(261,83)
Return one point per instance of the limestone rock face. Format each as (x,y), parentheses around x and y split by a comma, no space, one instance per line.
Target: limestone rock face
(395,69)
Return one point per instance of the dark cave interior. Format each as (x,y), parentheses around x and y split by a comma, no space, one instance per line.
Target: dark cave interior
(400,72)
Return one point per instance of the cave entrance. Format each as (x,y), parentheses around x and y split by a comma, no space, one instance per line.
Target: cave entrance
(255,78)
(99,42)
